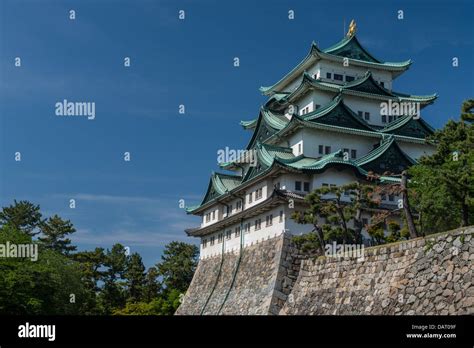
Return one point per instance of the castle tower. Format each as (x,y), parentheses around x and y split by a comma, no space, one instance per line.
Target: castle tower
(331,120)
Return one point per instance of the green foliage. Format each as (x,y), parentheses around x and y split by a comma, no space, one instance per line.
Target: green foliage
(38,287)
(135,275)
(442,184)
(331,216)
(93,282)
(177,266)
(396,233)
(55,231)
(165,305)
(23,216)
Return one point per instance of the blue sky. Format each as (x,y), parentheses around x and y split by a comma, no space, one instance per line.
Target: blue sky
(177,62)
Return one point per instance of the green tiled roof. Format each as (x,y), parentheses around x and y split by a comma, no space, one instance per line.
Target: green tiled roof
(270,157)
(386,157)
(347,48)
(365,86)
(337,113)
(219,184)
(249,124)
(408,126)
(338,117)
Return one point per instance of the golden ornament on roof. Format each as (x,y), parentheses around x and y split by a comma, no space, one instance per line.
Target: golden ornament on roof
(352,28)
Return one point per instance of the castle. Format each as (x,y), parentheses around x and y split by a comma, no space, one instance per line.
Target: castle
(330,121)
(322,125)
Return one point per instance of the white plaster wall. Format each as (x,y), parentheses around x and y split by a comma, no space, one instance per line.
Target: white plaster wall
(312,138)
(415,151)
(249,238)
(355,71)
(320,68)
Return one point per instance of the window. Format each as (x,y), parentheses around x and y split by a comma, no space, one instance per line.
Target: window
(345,151)
(384,119)
(338,77)
(281,216)
(220,238)
(297,185)
(346,193)
(383,197)
(325,185)
(305,110)
(349,78)
(238,205)
(317,106)
(365,221)
(391,198)
(213,215)
(204,243)
(229,209)
(321,149)
(258,193)
(382,84)
(237,231)
(277,185)
(228,234)
(328,75)
(299,149)
(250,197)
(208,217)
(353,153)
(258,224)
(360,113)
(367,116)
(306,186)
(269,220)
(327,149)
(390,119)
(247,227)
(332,185)
(213,240)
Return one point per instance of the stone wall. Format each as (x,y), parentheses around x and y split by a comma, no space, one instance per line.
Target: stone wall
(432,275)
(254,282)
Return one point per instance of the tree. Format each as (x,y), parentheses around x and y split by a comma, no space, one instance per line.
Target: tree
(23,216)
(50,285)
(135,277)
(331,215)
(55,231)
(177,266)
(466,111)
(450,168)
(112,294)
(152,287)
(92,274)
(399,188)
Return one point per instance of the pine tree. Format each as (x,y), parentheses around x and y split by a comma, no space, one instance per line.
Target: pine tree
(152,287)
(450,171)
(135,277)
(22,216)
(179,261)
(54,231)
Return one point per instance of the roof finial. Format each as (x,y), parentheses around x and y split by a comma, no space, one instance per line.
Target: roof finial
(352,29)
